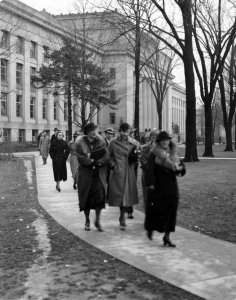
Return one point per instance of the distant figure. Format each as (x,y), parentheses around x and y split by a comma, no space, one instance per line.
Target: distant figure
(44,145)
(74,160)
(162,201)
(59,152)
(122,184)
(54,136)
(109,134)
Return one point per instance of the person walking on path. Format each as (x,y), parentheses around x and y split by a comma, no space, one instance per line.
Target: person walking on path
(44,145)
(74,160)
(93,160)
(162,202)
(122,184)
(109,134)
(54,136)
(145,151)
(59,152)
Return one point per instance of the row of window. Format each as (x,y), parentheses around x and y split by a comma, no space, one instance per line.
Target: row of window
(19,46)
(32,111)
(178,102)
(19,72)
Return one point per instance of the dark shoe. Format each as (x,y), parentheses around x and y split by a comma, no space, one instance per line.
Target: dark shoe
(149,234)
(168,243)
(87,226)
(122,222)
(98,226)
(74,186)
(58,188)
(130,216)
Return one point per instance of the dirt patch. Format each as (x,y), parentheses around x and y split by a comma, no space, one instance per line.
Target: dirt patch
(42,260)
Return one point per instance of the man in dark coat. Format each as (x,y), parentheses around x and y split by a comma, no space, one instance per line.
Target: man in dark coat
(59,152)
(54,136)
(93,158)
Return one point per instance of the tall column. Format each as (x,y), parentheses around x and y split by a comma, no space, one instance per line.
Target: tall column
(140,106)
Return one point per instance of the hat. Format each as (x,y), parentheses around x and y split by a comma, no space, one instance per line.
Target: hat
(109,130)
(163,135)
(55,129)
(89,127)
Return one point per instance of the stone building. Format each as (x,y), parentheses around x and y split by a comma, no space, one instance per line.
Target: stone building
(25,111)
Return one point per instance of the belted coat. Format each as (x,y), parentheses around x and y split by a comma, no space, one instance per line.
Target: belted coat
(122,184)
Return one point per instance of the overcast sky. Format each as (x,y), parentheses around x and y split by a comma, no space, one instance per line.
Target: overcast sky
(52,6)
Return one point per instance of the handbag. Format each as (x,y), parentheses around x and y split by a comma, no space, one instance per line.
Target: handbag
(98,153)
(133,155)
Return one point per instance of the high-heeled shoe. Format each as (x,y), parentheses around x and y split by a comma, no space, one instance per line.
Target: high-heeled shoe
(98,226)
(58,188)
(87,226)
(130,216)
(168,243)
(74,186)
(149,234)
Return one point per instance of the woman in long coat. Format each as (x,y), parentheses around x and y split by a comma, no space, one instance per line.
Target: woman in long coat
(122,184)
(93,159)
(44,144)
(59,152)
(74,165)
(163,196)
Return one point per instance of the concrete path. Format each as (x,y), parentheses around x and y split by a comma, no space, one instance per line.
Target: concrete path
(200,264)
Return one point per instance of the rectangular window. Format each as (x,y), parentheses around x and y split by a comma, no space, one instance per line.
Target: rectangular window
(5,42)
(19,105)
(32,73)
(34,135)
(45,53)
(4,68)
(65,111)
(112,95)
(3,104)
(112,118)
(21,135)
(6,135)
(20,45)
(44,108)
(33,50)
(112,73)
(32,107)
(19,74)
(55,110)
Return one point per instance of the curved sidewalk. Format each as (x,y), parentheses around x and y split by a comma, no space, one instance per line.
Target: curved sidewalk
(200,264)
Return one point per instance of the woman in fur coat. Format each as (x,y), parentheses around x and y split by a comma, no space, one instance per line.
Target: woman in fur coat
(93,159)
(163,196)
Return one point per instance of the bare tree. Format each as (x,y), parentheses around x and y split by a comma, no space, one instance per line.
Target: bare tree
(213,39)
(158,67)
(176,30)
(227,83)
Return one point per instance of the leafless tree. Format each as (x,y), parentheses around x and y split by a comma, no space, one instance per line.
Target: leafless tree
(213,37)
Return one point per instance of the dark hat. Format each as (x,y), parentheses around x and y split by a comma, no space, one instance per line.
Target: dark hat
(55,129)
(109,130)
(163,135)
(124,127)
(89,127)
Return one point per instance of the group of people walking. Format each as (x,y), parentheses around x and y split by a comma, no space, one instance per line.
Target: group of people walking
(105,170)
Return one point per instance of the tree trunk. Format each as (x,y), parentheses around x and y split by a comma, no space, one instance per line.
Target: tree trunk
(208,130)
(69,102)
(228,132)
(160,121)
(137,71)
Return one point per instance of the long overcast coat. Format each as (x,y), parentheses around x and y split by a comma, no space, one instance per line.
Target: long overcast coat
(162,203)
(59,152)
(85,168)
(44,144)
(122,184)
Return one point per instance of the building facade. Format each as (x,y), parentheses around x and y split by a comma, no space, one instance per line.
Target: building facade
(25,111)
